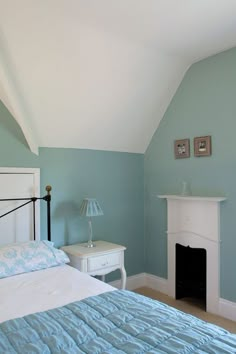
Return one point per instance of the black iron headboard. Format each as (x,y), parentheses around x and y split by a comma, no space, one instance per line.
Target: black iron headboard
(47,198)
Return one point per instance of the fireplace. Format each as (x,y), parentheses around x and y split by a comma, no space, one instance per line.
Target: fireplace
(194,222)
(190,267)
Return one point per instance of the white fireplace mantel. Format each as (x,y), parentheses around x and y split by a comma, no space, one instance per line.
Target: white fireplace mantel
(195,221)
(192,197)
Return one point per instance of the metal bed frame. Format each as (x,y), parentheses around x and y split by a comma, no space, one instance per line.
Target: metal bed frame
(33,200)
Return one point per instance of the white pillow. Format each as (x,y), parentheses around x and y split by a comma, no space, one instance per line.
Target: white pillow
(26,257)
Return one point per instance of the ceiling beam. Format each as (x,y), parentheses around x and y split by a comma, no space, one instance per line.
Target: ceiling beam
(13,98)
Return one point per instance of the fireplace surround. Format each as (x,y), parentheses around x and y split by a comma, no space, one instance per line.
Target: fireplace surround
(195,222)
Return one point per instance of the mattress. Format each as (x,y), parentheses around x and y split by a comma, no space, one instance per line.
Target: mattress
(114,322)
(45,289)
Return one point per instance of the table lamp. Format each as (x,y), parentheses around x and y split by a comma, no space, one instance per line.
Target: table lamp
(90,208)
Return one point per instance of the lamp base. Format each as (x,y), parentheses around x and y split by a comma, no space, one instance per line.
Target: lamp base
(90,245)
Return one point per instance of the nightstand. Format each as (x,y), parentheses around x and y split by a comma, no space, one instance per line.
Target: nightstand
(102,259)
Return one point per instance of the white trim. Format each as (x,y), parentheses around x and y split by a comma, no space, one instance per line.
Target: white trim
(227,309)
(156,283)
(143,279)
(192,197)
(18,170)
(133,282)
(181,232)
(36,173)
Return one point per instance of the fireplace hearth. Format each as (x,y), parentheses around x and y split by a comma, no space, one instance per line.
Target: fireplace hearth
(190,278)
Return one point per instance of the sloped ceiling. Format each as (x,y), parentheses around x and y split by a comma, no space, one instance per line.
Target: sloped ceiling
(99,74)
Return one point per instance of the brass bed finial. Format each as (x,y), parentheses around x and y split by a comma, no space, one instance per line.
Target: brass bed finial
(48,189)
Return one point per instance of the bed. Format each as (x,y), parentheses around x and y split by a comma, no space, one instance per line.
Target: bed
(46,306)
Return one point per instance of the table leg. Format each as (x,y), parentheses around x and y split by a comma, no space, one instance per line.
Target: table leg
(123,277)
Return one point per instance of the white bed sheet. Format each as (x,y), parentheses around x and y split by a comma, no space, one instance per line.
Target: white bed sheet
(45,289)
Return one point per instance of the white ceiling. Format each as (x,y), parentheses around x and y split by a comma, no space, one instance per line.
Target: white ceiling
(99,74)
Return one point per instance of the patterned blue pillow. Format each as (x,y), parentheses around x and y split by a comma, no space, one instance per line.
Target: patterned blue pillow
(26,257)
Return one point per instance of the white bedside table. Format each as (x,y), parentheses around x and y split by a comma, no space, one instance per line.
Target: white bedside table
(100,260)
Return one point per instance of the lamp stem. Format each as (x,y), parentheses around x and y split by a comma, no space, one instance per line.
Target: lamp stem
(90,239)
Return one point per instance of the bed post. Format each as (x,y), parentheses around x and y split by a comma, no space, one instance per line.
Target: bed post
(48,200)
(34,231)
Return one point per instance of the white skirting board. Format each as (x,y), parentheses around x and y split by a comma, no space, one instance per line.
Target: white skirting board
(227,308)
(133,282)
(143,279)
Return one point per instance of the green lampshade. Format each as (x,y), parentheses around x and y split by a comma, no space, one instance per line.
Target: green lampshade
(90,207)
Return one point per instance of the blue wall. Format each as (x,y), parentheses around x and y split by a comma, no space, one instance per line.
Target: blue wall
(205,104)
(115,179)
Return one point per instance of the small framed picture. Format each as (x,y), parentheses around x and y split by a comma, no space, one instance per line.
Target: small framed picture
(202,146)
(182,148)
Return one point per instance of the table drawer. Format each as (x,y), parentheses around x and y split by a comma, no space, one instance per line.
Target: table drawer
(101,262)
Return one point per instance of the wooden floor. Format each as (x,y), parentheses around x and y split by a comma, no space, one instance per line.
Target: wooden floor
(190,306)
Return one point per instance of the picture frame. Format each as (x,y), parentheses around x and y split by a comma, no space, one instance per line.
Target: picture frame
(202,146)
(182,148)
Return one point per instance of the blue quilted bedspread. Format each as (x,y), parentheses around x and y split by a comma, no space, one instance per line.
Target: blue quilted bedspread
(114,322)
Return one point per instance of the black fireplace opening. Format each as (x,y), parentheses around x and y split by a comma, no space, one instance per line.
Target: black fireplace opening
(191,273)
